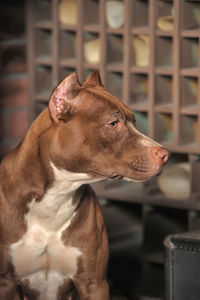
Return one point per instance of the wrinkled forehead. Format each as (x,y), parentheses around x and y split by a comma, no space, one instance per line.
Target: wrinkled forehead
(99,98)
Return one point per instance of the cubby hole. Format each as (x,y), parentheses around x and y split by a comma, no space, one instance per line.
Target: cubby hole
(68,13)
(158,223)
(115,14)
(124,226)
(140,13)
(43,46)
(114,83)
(141,121)
(194,220)
(64,72)
(43,82)
(190,14)
(164,11)
(163,91)
(139,91)
(68,47)
(91,12)
(189,93)
(195,175)
(164,52)
(87,72)
(125,233)
(42,10)
(92,48)
(152,287)
(114,49)
(140,50)
(40,106)
(188,130)
(189,53)
(163,127)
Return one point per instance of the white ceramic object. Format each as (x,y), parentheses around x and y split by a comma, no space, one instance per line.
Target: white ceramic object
(141,49)
(92,52)
(67,12)
(115,13)
(174,182)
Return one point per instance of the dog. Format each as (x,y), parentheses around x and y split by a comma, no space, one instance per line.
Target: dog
(53,241)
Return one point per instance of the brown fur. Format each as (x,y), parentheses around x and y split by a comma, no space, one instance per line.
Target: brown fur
(75,135)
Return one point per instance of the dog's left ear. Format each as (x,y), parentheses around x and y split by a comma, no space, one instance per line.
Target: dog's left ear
(62,98)
(93,80)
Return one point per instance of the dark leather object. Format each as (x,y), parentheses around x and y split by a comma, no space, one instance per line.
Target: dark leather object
(182,266)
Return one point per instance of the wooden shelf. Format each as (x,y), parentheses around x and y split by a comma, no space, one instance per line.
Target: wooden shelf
(68,27)
(130,194)
(68,62)
(45,25)
(190,72)
(44,60)
(140,30)
(190,110)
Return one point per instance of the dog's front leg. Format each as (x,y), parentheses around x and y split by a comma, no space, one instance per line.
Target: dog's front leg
(91,289)
(9,287)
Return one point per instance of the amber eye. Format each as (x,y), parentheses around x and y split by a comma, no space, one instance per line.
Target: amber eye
(114,123)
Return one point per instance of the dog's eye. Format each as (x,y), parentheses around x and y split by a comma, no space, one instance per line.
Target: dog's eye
(114,123)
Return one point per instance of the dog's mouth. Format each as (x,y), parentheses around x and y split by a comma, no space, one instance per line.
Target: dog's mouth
(116,177)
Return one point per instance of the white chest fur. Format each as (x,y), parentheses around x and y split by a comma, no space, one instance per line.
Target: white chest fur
(40,255)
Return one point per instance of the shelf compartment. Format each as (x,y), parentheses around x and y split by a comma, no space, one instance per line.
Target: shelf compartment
(139,91)
(163,92)
(141,121)
(164,52)
(140,13)
(115,14)
(188,130)
(40,106)
(114,53)
(152,282)
(43,46)
(124,226)
(91,12)
(114,83)
(45,25)
(194,220)
(189,56)
(92,49)
(190,15)
(68,47)
(163,127)
(140,50)
(65,71)
(43,82)
(164,15)
(42,10)
(160,222)
(189,94)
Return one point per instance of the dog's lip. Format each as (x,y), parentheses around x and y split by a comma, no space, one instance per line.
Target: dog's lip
(116,176)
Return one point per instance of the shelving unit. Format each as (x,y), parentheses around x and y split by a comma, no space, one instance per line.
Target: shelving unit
(164,93)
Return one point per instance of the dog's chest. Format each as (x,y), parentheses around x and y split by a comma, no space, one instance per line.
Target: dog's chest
(41,255)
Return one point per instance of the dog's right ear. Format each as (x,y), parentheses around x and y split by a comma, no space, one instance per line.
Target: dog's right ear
(62,98)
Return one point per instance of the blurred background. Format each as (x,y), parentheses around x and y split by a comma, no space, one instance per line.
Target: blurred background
(148,55)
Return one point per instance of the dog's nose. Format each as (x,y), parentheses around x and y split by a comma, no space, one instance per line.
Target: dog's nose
(161,153)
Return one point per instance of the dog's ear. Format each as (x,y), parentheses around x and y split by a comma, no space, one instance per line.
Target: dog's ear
(62,98)
(93,80)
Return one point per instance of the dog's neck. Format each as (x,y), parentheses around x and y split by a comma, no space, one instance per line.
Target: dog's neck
(58,206)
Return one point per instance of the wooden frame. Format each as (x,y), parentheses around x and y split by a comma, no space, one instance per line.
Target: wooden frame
(165,94)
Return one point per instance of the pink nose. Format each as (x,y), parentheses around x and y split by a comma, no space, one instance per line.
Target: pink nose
(162,154)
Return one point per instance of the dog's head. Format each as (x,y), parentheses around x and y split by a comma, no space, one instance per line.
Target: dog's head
(95,133)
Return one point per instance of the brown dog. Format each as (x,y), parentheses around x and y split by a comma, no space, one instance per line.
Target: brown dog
(53,242)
